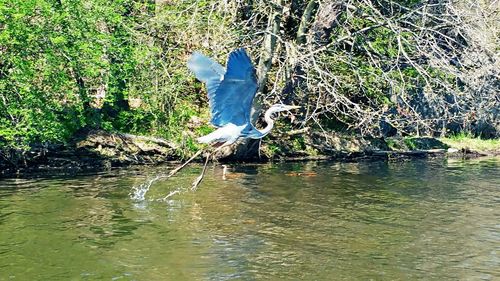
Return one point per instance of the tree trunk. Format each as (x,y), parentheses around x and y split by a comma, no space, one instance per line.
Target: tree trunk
(325,20)
(267,53)
(248,149)
(295,73)
(306,21)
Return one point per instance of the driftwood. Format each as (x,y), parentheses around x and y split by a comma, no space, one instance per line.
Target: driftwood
(409,153)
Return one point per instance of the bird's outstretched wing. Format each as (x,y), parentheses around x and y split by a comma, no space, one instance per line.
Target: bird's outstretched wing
(207,71)
(233,98)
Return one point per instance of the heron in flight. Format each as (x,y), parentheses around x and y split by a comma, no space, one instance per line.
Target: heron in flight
(230,93)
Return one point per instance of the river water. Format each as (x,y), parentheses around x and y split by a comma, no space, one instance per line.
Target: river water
(414,220)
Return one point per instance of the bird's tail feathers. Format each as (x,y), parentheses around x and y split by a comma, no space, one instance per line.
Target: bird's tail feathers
(204,139)
(212,137)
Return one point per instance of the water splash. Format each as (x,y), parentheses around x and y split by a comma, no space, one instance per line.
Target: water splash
(172,193)
(138,193)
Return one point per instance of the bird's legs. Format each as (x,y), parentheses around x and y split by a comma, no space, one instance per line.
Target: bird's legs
(174,171)
(224,172)
(198,180)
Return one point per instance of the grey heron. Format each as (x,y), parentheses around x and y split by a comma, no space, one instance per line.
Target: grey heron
(230,93)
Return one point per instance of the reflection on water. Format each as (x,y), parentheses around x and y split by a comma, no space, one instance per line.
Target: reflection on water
(432,220)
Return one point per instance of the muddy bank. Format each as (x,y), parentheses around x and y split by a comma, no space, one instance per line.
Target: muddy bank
(93,150)
(337,146)
(99,150)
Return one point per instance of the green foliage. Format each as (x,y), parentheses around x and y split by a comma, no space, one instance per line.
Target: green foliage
(170,93)
(55,55)
(410,143)
(415,143)
(357,69)
(121,65)
(204,130)
(272,150)
(462,136)
(298,143)
(392,144)
(468,141)
(66,65)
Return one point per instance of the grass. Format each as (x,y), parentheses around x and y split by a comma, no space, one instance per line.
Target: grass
(467,141)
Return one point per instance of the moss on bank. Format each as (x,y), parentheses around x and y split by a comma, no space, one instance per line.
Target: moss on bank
(333,145)
(467,142)
(97,150)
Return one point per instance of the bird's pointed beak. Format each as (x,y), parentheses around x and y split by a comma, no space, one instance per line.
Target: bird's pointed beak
(290,107)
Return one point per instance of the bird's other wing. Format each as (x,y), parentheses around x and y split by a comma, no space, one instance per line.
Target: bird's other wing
(232,101)
(206,70)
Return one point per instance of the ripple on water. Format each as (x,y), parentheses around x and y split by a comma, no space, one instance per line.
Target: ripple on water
(432,220)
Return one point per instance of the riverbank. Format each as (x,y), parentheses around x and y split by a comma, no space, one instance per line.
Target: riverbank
(337,146)
(97,150)
(93,150)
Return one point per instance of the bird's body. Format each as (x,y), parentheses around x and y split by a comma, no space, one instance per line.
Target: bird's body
(231,93)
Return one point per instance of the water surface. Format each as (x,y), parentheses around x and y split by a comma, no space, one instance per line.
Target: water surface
(431,220)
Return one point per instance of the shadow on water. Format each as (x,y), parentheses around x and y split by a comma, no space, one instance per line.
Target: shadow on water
(431,220)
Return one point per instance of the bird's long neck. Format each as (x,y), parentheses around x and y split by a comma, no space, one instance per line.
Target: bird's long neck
(269,121)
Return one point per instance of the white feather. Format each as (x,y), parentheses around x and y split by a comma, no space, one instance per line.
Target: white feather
(228,134)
